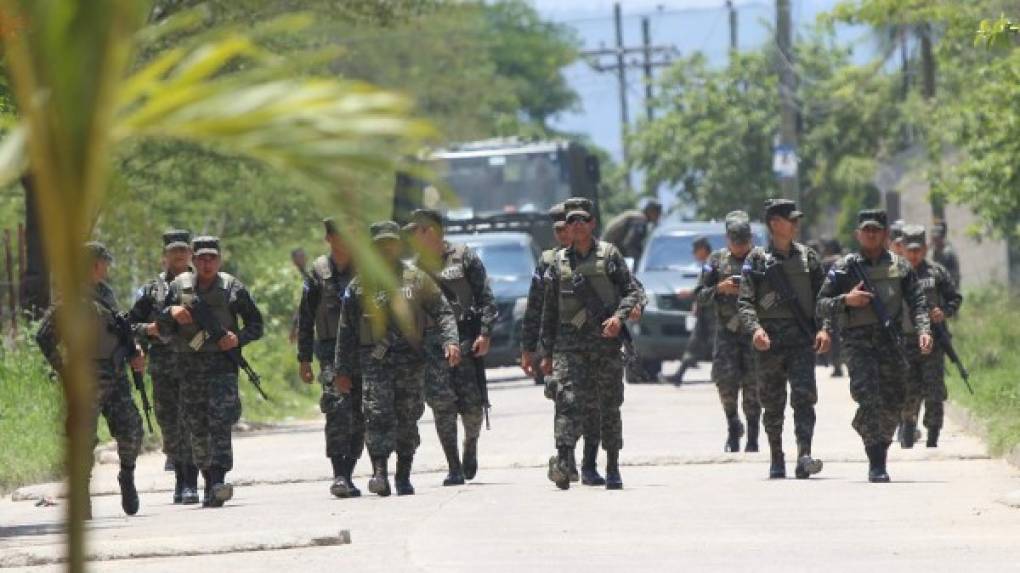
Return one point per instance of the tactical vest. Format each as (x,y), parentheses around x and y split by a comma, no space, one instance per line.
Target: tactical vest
(454,280)
(218,299)
(798,272)
(888,281)
(377,315)
(595,271)
(327,313)
(106,341)
(726,308)
(932,294)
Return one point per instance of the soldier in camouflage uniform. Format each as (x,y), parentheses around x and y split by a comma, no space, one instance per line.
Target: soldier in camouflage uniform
(586,349)
(460,274)
(699,344)
(786,348)
(381,329)
(318,321)
(113,391)
(733,364)
(874,356)
(209,391)
(164,364)
(926,378)
(943,252)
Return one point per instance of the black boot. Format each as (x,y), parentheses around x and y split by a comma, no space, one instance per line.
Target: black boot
(572,468)
(559,470)
(349,463)
(777,469)
(178,483)
(380,482)
(907,435)
(128,493)
(221,491)
(807,466)
(735,431)
(589,467)
(752,435)
(455,476)
(613,479)
(876,463)
(402,481)
(933,438)
(340,487)
(470,458)
(189,495)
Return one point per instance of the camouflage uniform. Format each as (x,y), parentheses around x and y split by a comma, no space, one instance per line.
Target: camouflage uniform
(791,354)
(531,324)
(319,319)
(926,375)
(391,360)
(589,366)
(113,390)
(733,364)
(628,232)
(209,390)
(461,276)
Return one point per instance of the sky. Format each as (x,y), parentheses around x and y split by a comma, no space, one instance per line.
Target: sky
(687,25)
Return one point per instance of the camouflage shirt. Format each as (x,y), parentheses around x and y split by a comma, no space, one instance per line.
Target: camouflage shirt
(754,266)
(102,301)
(240,304)
(532,322)
(477,280)
(559,336)
(720,265)
(946,256)
(311,295)
(149,302)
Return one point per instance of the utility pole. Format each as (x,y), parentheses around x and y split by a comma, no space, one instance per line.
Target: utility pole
(733,26)
(646,34)
(620,64)
(789,179)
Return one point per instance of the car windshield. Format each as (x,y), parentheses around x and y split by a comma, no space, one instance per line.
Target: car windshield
(672,251)
(505,260)
(525,182)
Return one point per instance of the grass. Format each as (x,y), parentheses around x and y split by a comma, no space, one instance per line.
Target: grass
(31,405)
(987,336)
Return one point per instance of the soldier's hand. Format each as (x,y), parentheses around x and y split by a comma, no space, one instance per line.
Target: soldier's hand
(152,330)
(729,287)
(180,314)
(635,313)
(343,384)
(937,316)
(858,297)
(528,363)
(926,342)
(611,327)
(228,342)
(481,346)
(761,340)
(822,342)
(138,361)
(547,366)
(305,369)
(452,355)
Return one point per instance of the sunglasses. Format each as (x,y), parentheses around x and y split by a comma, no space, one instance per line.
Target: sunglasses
(579,219)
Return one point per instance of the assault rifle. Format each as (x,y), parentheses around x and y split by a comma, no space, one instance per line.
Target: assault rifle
(203,316)
(945,340)
(597,311)
(885,320)
(780,283)
(469,328)
(126,350)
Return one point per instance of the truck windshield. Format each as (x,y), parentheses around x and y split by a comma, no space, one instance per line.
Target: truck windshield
(493,184)
(505,260)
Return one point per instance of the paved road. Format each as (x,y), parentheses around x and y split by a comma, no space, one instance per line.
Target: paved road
(687,506)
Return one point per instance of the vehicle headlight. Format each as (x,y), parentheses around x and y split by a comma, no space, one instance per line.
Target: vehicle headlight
(520,306)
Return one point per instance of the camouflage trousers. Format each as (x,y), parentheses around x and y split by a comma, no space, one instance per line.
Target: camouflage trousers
(450,392)
(211,406)
(876,383)
(790,360)
(392,401)
(589,396)
(166,374)
(115,403)
(733,372)
(345,421)
(925,382)
(699,345)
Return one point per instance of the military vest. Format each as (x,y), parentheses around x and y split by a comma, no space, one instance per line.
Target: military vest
(378,312)
(332,284)
(726,307)
(453,279)
(106,341)
(593,269)
(798,272)
(888,280)
(218,299)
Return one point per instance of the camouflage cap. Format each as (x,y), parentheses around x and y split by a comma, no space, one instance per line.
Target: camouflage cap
(206,245)
(424,217)
(896,229)
(872,218)
(98,251)
(784,208)
(176,238)
(384,230)
(914,237)
(558,215)
(580,205)
(738,226)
